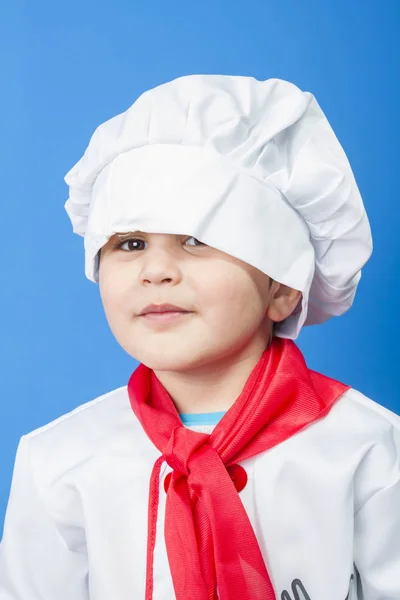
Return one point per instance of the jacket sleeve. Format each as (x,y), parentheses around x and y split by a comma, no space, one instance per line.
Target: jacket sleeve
(35,562)
(377,521)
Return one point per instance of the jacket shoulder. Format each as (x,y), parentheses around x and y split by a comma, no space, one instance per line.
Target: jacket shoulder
(92,411)
(372,414)
(103,427)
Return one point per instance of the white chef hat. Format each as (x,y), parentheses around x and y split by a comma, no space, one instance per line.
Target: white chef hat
(249,167)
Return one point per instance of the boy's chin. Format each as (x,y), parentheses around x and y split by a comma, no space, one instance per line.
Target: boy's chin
(178,361)
(174,365)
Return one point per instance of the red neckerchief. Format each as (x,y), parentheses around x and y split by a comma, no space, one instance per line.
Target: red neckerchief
(209,538)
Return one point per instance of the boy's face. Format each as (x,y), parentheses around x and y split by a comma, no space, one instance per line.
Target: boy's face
(227,298)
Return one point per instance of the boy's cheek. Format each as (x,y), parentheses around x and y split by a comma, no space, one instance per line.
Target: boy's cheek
(114,292)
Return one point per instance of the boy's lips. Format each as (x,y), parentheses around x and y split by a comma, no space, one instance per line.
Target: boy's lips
(162,309)
(165,317)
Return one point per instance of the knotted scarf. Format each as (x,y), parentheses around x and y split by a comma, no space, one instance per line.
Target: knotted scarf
(212,548)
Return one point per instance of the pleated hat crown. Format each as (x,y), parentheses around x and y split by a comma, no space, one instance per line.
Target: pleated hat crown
(249,167)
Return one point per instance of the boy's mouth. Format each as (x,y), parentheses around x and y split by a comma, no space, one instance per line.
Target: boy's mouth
(164,317)
(162,309)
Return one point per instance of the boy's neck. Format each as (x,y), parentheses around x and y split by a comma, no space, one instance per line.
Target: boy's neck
(210,388)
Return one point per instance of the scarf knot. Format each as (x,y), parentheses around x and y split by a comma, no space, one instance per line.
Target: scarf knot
(182,447)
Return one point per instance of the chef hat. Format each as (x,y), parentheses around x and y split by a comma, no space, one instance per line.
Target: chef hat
(249,167)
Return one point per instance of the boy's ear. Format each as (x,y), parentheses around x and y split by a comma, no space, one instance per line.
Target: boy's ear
(283,301)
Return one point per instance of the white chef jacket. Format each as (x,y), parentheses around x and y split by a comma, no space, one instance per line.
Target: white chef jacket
(324,505)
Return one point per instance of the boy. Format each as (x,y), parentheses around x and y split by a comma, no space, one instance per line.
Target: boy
(220,215)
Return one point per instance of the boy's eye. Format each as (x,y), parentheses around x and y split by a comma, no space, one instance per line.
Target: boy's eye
(130,245)
(198,243)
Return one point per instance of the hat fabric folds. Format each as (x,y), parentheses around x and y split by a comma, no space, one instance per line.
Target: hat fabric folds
(249,167)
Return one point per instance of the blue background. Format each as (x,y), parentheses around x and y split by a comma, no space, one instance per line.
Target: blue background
(67,67)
